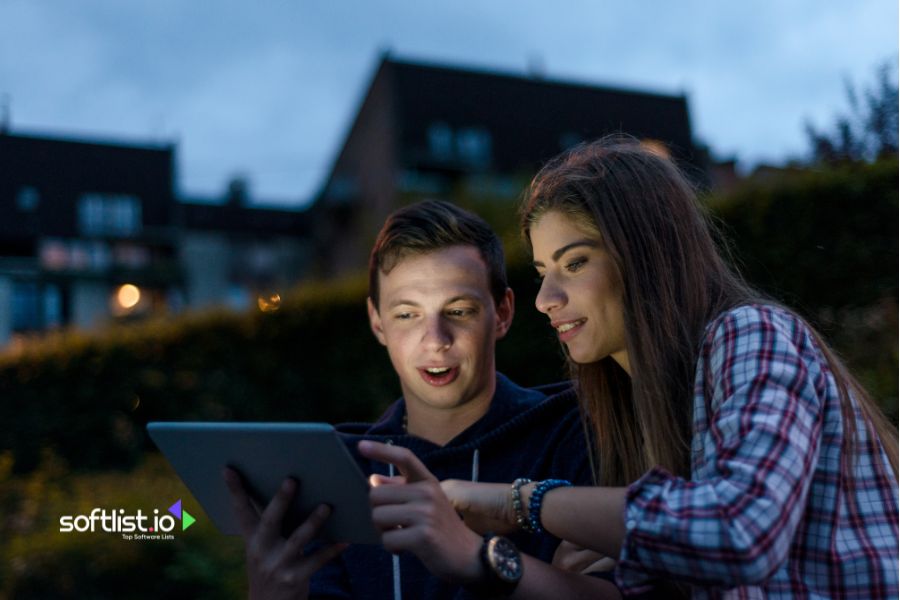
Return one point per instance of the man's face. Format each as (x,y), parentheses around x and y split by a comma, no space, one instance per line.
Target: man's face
(438,320)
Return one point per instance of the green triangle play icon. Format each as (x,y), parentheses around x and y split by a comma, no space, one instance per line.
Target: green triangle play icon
(186,519)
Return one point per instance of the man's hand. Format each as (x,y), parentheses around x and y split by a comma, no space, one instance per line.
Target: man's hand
(413,514)
(484,506)
(277,567)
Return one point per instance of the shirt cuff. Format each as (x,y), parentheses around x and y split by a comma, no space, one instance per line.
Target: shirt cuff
(641,525)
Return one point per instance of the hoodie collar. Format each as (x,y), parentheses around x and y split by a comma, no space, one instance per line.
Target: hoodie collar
(509,400)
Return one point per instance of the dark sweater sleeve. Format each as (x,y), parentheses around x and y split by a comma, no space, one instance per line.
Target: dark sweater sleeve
(331,581)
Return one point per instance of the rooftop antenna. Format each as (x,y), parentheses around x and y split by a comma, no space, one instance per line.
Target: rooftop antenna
(5,110)
(536,67)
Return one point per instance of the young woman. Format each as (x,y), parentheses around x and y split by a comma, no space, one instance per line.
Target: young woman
(734,451)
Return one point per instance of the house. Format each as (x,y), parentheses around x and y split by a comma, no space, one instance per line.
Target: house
(424,130)
(92,231)
(86,231)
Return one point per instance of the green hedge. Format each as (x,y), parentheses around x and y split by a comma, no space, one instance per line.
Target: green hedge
(88,397)
(825,243)
(821,241)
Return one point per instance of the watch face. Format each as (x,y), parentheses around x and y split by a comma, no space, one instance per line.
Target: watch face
(505,559)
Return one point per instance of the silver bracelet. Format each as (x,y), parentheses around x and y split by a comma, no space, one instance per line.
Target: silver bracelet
(516,494)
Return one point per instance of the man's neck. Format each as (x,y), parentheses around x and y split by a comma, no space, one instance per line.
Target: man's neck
(439,426)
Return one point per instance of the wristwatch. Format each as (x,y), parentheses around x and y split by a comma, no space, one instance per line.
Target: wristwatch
(502,567)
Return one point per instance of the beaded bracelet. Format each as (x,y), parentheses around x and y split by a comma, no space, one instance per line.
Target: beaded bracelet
(537,498)
(516,495)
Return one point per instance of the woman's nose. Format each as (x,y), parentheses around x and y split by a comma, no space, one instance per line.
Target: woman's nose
(550,297)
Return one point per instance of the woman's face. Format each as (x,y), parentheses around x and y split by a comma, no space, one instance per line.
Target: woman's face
(581,290)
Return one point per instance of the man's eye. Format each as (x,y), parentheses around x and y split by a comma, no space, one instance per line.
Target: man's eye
(539,279)
(460,312)
(403,316)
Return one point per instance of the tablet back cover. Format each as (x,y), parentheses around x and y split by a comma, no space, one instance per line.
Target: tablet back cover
(265,454)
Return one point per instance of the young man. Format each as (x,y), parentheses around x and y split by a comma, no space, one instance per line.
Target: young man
(438,302)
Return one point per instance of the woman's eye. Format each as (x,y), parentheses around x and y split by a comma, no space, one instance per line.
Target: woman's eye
(575,265)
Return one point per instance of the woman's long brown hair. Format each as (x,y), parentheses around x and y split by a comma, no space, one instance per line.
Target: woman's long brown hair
(674,283)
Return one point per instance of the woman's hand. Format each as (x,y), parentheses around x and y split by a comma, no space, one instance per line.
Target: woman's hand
(576,559)
(484,506)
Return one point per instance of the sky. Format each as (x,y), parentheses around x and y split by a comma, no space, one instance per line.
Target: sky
(267,90)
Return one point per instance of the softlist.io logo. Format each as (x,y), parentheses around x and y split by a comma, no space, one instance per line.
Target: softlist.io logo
(137,526)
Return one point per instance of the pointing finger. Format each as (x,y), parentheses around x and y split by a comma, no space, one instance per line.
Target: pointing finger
(402,458)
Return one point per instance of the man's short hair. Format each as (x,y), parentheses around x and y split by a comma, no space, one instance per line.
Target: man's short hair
(433,225)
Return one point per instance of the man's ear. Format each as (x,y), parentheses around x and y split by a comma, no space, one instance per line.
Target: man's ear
(505,311)
(375,321)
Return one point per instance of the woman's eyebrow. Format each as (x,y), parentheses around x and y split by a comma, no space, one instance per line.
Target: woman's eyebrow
(556,255)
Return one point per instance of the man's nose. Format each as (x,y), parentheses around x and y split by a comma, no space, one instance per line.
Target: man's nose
(437,335)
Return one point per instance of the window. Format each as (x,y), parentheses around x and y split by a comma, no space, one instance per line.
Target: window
(440,141)
(569,139)
(109,214)
(78,255)
(474,146)
(35,306)
(27,199)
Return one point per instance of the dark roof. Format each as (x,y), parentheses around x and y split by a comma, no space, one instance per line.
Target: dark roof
(60,170)
(527,116)
(243,219)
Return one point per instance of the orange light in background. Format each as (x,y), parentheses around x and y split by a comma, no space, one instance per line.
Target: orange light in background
(269,302)
(656,147)
(128,296)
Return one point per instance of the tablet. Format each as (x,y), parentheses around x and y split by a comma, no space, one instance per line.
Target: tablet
(265,454)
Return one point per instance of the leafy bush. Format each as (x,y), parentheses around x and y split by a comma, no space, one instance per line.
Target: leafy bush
(825,243)
(88,398)
(39,561)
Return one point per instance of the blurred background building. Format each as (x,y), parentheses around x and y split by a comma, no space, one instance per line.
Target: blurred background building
(426,130)
(93,230)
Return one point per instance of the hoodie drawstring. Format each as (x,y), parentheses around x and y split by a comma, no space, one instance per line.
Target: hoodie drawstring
(395,558)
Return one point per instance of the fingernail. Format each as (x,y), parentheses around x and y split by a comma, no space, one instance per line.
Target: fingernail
(288,485)
(323,510)
(364,445)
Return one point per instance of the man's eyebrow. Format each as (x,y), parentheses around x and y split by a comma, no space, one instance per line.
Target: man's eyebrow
(464,298)
(402,302)
(556,255)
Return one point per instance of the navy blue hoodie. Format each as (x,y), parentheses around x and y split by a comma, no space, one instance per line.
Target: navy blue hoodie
(535,433)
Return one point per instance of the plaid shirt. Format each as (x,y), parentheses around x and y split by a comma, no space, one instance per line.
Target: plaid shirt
(768,512)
